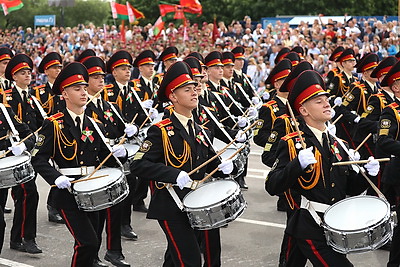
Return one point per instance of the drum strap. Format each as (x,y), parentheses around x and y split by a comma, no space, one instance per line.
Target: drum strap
(223,105)
(104,140)
(244,93)
(40,108)
(116,112)
(218,123)
(175,197)
(313,207)
(9,121)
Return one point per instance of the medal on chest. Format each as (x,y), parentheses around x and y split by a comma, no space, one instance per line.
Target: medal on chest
(108,115)
(87,135)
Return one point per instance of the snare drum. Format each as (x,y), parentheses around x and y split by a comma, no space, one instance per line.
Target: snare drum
(101,193)
(238,160)
(214,204)
(132,149)
(15,170)
(358,224)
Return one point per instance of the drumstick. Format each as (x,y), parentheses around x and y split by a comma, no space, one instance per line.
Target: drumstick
(50,98)
(358,162)
(230,105)
(205,123)
(85,179)
(365,140)
(94,97)
(303,145)
(245,115)
(224,119)
(20,142)
(337,119)
(147,118)
(219,152)
(4,137)
(216,169)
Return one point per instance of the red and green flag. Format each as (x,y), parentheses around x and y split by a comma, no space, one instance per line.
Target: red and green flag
(10,5)
(125,12)
(158,27)
(179,9)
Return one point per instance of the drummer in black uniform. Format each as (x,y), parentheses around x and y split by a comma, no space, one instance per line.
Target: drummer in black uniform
(26,196)
(309,171)
(73,142)
(114,127)
(174,147)
(168,57)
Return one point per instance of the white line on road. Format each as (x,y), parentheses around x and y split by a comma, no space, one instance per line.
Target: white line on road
(277,225)
(13,263)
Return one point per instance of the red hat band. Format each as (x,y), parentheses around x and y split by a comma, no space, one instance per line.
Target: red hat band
(214,62)
(227,61)
(120,62)
(280,75)
(4,57)
(348,57)
(383,71)
(20,66)
(147,60)
(369,66)
(95,70)
(307,94)
(195,71)
(178,81)
(169,56)
(335,56)
(52,63)
(238,55)
(393,78)
(77,78)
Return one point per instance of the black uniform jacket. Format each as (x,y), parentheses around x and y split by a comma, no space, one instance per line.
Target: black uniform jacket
(166,152)
(27,112)
(43,93)
(266,118)
(21,127)
(325,183)
(56,141)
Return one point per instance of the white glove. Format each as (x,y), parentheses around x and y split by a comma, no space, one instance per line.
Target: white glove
(333,113)
(17,149)
(252,112)
(63,182)
(354,155)
(255,100)
(357,119)
(242,121)
(265,95)
(119,151)
(338,101)
(306,157)
(372,166)
(153,113)
(130,129)
(241,137)
(331,128)
(183,179)
(226,166)
(147,103)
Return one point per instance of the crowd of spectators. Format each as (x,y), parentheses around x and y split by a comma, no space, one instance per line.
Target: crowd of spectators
(261,44)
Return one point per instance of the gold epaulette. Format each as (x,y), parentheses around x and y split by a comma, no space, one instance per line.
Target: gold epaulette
(283,116)
(290,136)
(210,108)
(393,105)
(56,116)
(107,86)
(39,86)
(169,107)
(163,123)
(9,91)
(269,103)
(137,89)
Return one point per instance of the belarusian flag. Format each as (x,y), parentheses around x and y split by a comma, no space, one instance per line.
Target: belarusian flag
(121,11)
(158,27)
(10,5)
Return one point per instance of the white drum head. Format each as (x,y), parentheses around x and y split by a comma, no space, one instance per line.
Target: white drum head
(210,194)
(218,144)
(131,148)
(113,175)
(356,213)
(8,162)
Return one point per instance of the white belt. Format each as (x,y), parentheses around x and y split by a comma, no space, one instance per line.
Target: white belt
(313,207)
(83,170)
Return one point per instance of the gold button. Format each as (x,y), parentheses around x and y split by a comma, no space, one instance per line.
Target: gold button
(333,184)
(65,146)
(81,162)
(95,148)
(198,171)
(333,199)
(81,152)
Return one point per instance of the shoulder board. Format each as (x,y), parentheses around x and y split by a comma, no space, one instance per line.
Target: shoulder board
(210,108)
(289,136)
(97,120)
(393,105)
(169,107)
(56,116)
(284,116)
(269,103)
(109,86)
(137,89)
(39,86)
(163,123)
(379,95)
(207,85)
(9,91)
(6,105)
(160,75)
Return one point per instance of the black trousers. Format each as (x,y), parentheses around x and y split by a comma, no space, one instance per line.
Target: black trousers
(185,245)
(111,218)
(394,256)
(26,199)
(141,187)
(82,226)
(317,252)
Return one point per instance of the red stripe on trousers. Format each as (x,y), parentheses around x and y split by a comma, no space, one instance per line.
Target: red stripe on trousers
(23,211)
(289,247)
(316,253)
(208,253)
(73,264)
(174,243)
